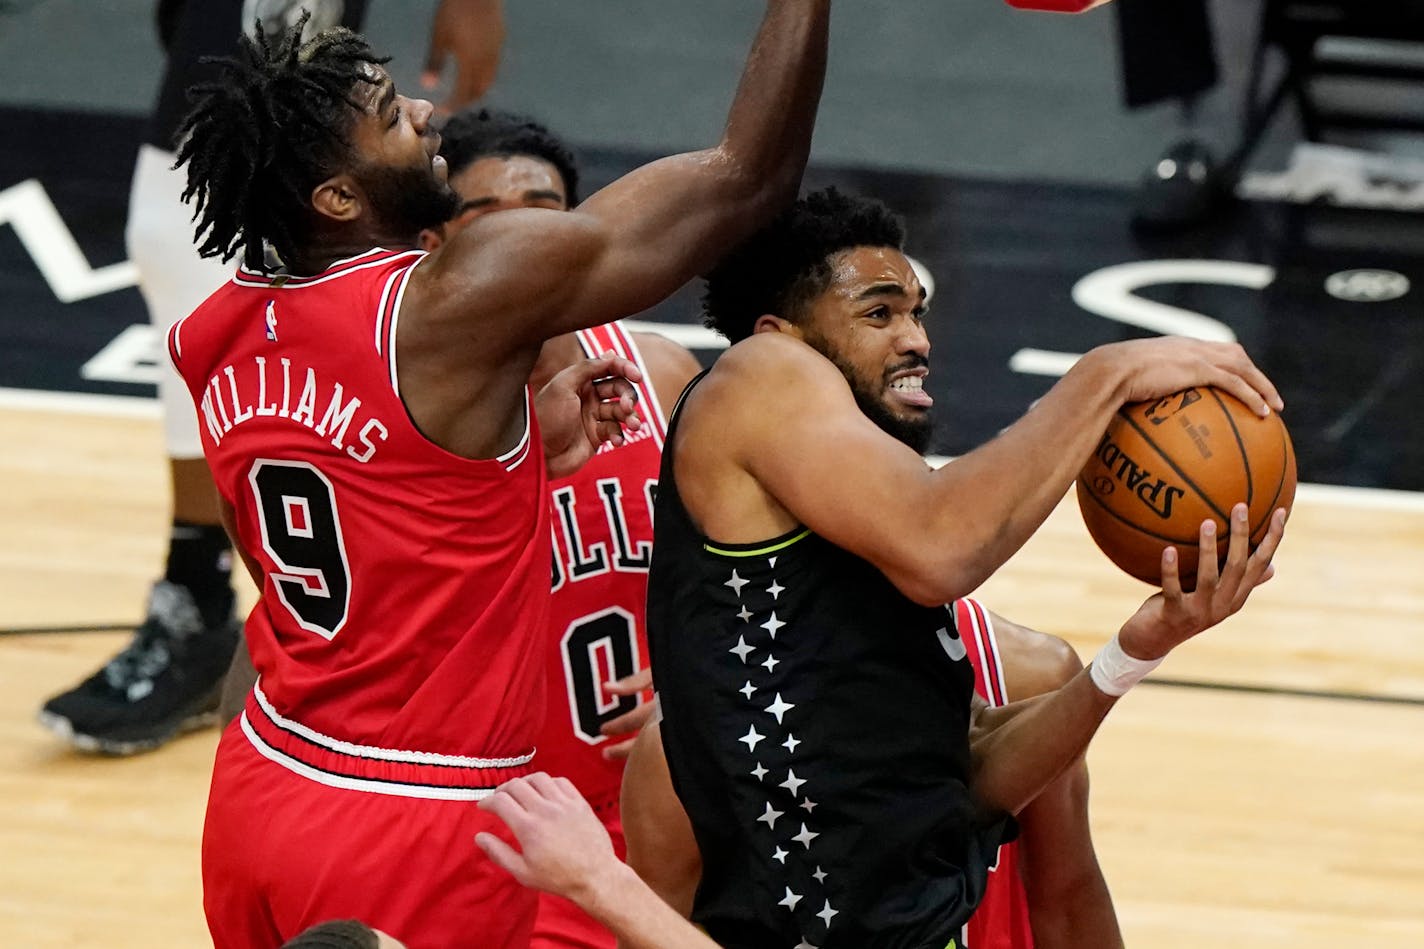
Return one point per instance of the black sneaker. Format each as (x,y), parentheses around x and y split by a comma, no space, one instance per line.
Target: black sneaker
(165,682)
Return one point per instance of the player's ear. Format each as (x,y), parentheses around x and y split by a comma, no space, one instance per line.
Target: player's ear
(431,238)
(766,323)
(339,198)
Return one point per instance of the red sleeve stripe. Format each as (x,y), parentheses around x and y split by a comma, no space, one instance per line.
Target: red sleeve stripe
(652,408)
(395,288)
(977,620)
(175,343)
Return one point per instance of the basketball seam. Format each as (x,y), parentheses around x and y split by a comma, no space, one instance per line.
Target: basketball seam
(1280,485)
(1173,465)
(1138,527)
(1240,446)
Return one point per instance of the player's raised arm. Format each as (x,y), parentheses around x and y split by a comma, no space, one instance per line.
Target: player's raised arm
(534,274)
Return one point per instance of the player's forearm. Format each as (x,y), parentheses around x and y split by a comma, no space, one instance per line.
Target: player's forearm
(1017,751)
(768,134)
(634,913)
(1084,918)
(990,501)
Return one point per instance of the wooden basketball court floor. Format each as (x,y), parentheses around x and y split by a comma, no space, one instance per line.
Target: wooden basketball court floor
(1269,792)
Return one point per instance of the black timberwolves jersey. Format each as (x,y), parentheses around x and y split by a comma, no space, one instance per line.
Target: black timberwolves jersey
(815,722)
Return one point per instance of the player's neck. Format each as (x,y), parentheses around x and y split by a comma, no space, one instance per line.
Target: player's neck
(321,253)
(555,355)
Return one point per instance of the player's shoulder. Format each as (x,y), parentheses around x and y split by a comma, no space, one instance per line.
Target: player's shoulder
(781,360)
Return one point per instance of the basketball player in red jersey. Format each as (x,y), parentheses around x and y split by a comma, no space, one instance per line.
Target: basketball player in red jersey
(597,646)
(365,412)
(1046,891)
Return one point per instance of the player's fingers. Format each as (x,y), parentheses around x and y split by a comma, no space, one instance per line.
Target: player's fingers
(1249,373)
(1206,557)
(616,365)
(628,721)
(541,783)
(1171,577)
(520,791)
(619,751)
(506,808)
(504,856)
(1250,386)
(608,431)
(1238,549)
(1259,568)
(633,684)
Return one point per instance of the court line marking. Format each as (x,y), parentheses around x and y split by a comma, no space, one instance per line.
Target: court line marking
(1281,690)
(139,407)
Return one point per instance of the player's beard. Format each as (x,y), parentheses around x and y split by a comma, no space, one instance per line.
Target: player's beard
(914,431)
(408,200)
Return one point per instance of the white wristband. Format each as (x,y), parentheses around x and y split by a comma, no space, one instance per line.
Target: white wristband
(1114,671)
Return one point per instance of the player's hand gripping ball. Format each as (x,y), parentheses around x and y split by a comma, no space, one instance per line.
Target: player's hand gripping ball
(1164,467)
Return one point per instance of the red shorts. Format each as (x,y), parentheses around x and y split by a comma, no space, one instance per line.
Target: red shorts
(286,846)
(561,924)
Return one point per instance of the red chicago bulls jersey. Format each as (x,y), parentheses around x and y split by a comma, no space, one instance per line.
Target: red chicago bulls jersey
(603,541)
(1001,921)
(405,586)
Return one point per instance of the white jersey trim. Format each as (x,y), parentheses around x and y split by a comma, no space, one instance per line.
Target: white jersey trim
(988,643)
(381,754)
(251,278)
(357,784)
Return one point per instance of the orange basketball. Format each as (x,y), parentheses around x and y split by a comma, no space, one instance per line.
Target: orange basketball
(1164,467)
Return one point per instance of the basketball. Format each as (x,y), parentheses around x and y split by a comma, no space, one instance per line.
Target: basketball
(1164,467)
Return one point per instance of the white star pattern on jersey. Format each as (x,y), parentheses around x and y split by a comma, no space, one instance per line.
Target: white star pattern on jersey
(780,631)
(736,583)
(779,708)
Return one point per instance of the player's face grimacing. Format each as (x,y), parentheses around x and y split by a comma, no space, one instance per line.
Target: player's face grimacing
(397,161)
(870,323)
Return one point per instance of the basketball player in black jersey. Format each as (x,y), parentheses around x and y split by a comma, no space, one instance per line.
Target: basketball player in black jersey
(844,786)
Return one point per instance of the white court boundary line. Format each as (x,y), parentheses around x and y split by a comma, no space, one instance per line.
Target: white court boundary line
(137,407)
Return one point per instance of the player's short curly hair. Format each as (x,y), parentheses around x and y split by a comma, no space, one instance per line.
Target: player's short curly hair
(335,934)
(472,134)
(273,124)
(787,264)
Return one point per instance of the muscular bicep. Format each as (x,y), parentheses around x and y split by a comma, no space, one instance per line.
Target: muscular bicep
(810,447)
(514,279)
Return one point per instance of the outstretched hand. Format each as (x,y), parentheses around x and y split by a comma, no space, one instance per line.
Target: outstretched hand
(563,847)
(1171,617)
(472,32)
(585,405)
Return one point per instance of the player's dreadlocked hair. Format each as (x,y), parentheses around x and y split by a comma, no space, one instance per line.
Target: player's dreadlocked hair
(787,264)
(264,133)
(335,934)
(473,134)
